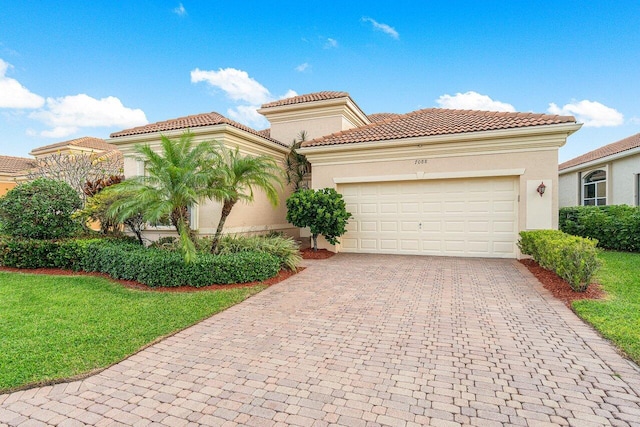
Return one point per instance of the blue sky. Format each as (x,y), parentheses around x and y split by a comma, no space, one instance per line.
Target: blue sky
(76,68)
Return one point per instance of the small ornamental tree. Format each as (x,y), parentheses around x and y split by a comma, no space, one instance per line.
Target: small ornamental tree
(323,211)
(40,209)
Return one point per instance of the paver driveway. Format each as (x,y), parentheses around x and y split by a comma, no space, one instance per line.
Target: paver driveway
(364,340)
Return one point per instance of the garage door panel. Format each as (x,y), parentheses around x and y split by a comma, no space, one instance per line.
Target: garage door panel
(369,243)
(410,245)
(410,207)
(391,208)
(369,226)
(388,226)
(388,244)
(504,226)
(409,226)
(460,217)
(454,226)
(479,226)
(431,226)
(479,247)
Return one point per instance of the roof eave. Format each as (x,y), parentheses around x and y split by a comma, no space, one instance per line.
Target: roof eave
(199,130)
(600,160)
(561,128)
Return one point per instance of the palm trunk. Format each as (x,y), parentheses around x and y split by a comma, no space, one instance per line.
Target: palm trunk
(226,210)
(180,221)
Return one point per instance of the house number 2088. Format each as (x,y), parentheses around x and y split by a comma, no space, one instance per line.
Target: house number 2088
(421,161)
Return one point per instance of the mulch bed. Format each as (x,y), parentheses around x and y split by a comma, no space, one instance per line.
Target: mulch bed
(559,287)
(308,253)
(283,275)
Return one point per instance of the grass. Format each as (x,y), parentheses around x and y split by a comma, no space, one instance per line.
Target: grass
(54,327)
(618,316)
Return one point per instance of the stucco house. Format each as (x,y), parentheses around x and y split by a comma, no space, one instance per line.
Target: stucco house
(432,181)
(12,171)
(609,175)
(83,145)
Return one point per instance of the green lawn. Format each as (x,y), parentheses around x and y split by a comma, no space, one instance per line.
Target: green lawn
(617,317)
(54,327)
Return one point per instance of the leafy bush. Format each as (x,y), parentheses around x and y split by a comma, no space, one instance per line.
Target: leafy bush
(285,248)
(573,258)
(323,211)
(616,227)
(127,260)
(40,209)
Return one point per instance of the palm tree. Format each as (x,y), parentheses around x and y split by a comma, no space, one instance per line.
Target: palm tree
(235,178)
(175,180)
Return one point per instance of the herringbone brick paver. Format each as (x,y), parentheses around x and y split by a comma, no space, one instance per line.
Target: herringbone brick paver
(364,340)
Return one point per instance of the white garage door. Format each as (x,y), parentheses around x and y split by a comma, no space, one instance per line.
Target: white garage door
(456,217)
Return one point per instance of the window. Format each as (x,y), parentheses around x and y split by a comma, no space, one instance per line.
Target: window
(594,189)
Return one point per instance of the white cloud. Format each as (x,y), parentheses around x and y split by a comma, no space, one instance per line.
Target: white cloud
(473,101)
(330,43)
(289,94)
(59,132)
(303,67)
(67,114)
(13,94)
(235,83)
(387,29)
(180,10)
(241,88)
(591,113)
(248,115)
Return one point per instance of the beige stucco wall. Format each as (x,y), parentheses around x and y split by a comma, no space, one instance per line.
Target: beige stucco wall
(530,155)
(259,216)
(622,181)
(569,191)
(314,128)
(6,185)
(537,165)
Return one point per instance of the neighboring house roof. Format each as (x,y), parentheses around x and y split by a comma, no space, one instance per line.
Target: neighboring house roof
(187,122)
(11,165)
(84,142)
(437,121)
(614,148)
(378,117)
(309,97)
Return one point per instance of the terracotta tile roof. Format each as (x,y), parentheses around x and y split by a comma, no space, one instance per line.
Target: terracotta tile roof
(628,143)
(188,122)
(309,97)
(84,142)
(437,121)
(378,117)
(9,164)
(265,132)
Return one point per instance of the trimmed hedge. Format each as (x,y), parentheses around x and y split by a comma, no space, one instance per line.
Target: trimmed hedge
(127,261)
(573,258)
(616,227)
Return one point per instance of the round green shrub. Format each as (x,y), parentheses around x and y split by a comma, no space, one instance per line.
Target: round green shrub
(40,209)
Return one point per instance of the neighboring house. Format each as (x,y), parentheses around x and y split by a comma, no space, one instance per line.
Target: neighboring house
(609,175)
(12,171)
(62,161)
(432,182)
(85,145)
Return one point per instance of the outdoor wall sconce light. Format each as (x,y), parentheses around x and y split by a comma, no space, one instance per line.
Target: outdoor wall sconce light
(541,188)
